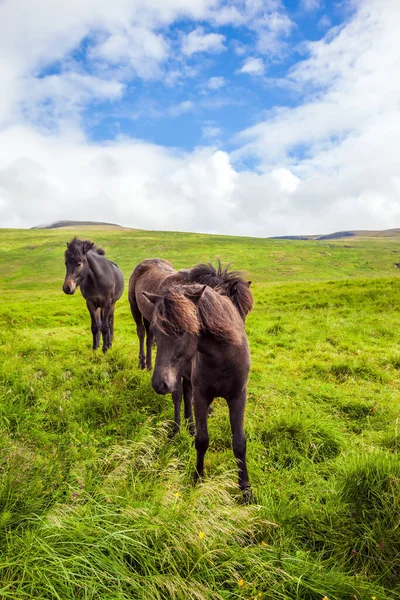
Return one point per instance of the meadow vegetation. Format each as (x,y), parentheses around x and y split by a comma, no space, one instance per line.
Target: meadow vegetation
(96,500)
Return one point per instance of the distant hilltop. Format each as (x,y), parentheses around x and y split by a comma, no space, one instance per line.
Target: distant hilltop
(58,224)
(340,235)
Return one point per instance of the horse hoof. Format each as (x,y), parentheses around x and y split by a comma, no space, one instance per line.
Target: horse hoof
(173,432)
(248,497)
(197,477)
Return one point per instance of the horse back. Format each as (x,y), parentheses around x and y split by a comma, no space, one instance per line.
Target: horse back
(147,276)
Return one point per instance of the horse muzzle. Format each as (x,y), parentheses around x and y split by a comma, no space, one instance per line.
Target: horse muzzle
(163,385)
(69,286)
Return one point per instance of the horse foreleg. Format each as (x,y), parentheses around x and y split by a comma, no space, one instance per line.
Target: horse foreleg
(177,399)
(201,405)
(236,415)
(149,344)
(105,327)
(140,330)
(188,404)
(95,326)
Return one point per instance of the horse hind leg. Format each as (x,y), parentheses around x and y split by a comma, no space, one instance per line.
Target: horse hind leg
(111,325)
(236,415)
(105,327)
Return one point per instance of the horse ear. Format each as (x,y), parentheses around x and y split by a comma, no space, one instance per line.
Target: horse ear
(151,297)
(87,246)
(248,283)
(195,296)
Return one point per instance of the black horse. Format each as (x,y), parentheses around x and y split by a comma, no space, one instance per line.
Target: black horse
(101,284)
(195,323)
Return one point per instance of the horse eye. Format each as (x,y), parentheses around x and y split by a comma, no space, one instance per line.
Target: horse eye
(79,264)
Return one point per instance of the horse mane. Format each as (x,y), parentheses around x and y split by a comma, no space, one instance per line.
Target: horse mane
(175,314)
(219,317)
(198,309)
(227,283)
(76,248)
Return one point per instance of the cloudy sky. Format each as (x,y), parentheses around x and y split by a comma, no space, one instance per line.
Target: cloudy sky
(246,117)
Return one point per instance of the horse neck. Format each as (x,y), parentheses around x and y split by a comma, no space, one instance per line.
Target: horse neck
(95,265)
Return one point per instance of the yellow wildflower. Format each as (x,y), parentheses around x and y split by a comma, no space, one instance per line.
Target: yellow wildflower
(201,534)
(177,495)
(264,543)
(373,598)
(241,582)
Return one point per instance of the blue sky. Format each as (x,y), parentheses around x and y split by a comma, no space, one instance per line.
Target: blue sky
(248,117)
(209,92)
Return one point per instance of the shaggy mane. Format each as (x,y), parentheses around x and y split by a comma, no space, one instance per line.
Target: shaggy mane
(227,283)
(175,314)
(198,309)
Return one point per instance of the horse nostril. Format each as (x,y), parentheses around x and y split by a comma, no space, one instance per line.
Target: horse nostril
(161,387)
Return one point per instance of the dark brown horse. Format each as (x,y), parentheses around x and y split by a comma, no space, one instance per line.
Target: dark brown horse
(195,323)
(101,284)
(157,275)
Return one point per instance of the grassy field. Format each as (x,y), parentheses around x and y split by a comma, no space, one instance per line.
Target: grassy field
(97,502)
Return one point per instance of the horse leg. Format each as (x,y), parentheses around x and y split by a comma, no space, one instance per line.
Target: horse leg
(105,327)
(201,404)
(177,399)
(149,344)
(111,323)
(188,404)
(236,415)
(140,329)
(95,326)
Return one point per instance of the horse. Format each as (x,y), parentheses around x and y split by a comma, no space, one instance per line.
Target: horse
(153,276)
(193,322)
(101,284)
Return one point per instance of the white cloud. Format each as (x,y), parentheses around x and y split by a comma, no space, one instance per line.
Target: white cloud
(253,66)
(330,163)
(198,41)
(210,132)
(310,5)
(182,107)
(343,142)
(324,22)
(135,47)
(215,83)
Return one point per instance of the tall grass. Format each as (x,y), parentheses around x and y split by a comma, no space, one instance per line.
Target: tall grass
(96,500)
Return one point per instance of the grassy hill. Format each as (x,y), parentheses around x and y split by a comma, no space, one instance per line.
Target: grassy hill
(97,502)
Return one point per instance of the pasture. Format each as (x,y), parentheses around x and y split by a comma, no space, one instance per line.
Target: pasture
(97,502)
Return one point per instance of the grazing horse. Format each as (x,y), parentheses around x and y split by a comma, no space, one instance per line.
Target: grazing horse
(155,275)
(194,322)
(101,284)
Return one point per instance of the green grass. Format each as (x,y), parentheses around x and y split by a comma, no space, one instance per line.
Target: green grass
(97,502)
